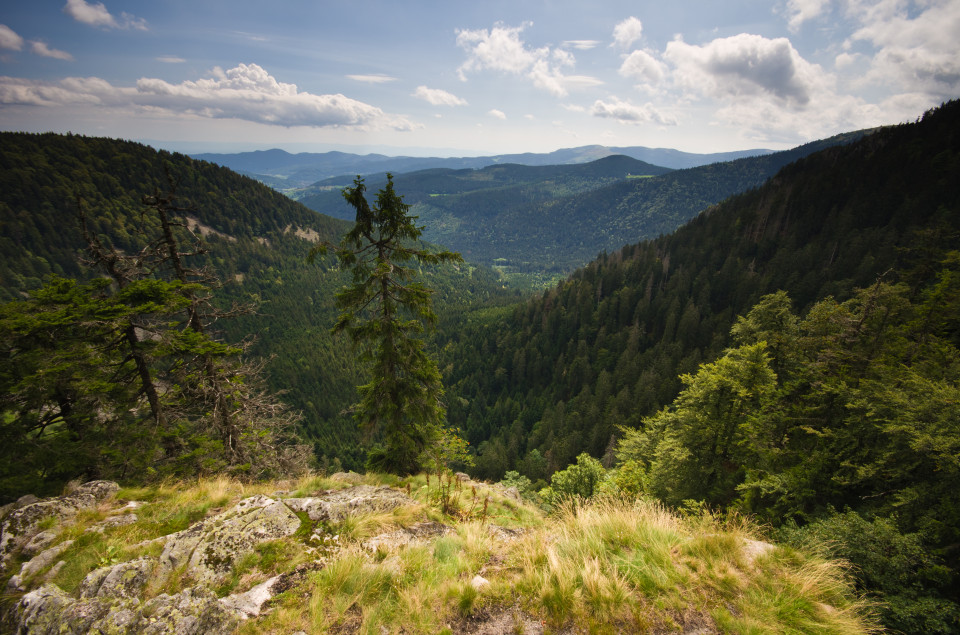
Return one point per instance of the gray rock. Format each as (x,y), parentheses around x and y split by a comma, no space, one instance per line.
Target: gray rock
(194,611)
(114,521)
(20,525)
(40,611)
(212,546)
(250,603)
(335,505)
(38,543)
(29,499)
(50,611)
(418,533)
(124,580)
(36,564)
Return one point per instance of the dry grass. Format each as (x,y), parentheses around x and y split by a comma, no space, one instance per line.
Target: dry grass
(605,567)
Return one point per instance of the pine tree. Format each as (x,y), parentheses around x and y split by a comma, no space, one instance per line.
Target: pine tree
(384,313)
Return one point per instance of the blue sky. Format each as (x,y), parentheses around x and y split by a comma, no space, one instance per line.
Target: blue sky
(459,78)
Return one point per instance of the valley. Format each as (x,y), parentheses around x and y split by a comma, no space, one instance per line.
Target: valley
(774,336)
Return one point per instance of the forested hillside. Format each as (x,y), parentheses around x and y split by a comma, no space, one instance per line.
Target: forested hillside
(793,353)
(558,375)
(551,220)
(257,243)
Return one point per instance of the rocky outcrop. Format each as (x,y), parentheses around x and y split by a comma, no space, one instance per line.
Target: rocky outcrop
(111,599)
(22,524)
(211,547)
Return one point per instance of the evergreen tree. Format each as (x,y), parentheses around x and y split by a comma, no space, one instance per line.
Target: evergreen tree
(384,312)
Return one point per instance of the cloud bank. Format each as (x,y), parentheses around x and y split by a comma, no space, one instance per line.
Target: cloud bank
(246,92)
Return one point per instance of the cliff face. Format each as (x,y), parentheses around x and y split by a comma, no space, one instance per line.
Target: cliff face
(353,553)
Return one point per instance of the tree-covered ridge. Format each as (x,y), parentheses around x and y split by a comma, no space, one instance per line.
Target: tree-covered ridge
(258,241)
(554,219)
(42,175)
(558,375)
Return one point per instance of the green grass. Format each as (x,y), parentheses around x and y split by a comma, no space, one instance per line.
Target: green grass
(603,567)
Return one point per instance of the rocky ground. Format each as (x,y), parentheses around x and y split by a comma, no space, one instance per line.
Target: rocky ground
(366,554)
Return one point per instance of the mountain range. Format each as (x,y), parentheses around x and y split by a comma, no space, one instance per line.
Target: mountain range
(284,170)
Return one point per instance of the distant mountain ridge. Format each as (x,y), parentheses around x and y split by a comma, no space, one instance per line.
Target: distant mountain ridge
(549,220)
(282,169)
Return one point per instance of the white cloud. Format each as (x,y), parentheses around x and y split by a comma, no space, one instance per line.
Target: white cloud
(170,59)
(627,32)
(916,44)
(642,66)
(501,49)
(746,66)
(499,114)
(438,97)
(9,39)
(581,45)
(372,79)
(246,92)
(97,15)
(802,10)
(40,48)
(625,112)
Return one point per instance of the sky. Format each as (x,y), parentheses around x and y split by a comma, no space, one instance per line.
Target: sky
(454,78)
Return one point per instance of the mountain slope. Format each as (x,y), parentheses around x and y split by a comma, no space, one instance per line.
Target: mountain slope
(258,241)
(564,216)
(604,348)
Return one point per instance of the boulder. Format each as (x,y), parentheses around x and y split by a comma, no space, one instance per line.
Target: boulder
(194,611)
(21,525)
(124,580)
(335,505)
(210,547)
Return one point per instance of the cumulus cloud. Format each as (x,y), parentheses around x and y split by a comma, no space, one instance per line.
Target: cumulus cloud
(643,67)
(499,114)
(501,49)
(372,79)
(438,97)
(802,10)
(916,44)
(40,48)
(97,15)
(627,32)
(745,66)
(9,39)
(625,112)
(246,92)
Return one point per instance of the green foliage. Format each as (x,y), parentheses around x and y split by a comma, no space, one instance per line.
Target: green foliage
(579,481)
(896,569)
(383,312)
(561,373)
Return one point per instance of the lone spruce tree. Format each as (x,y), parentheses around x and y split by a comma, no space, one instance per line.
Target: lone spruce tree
(384,312)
